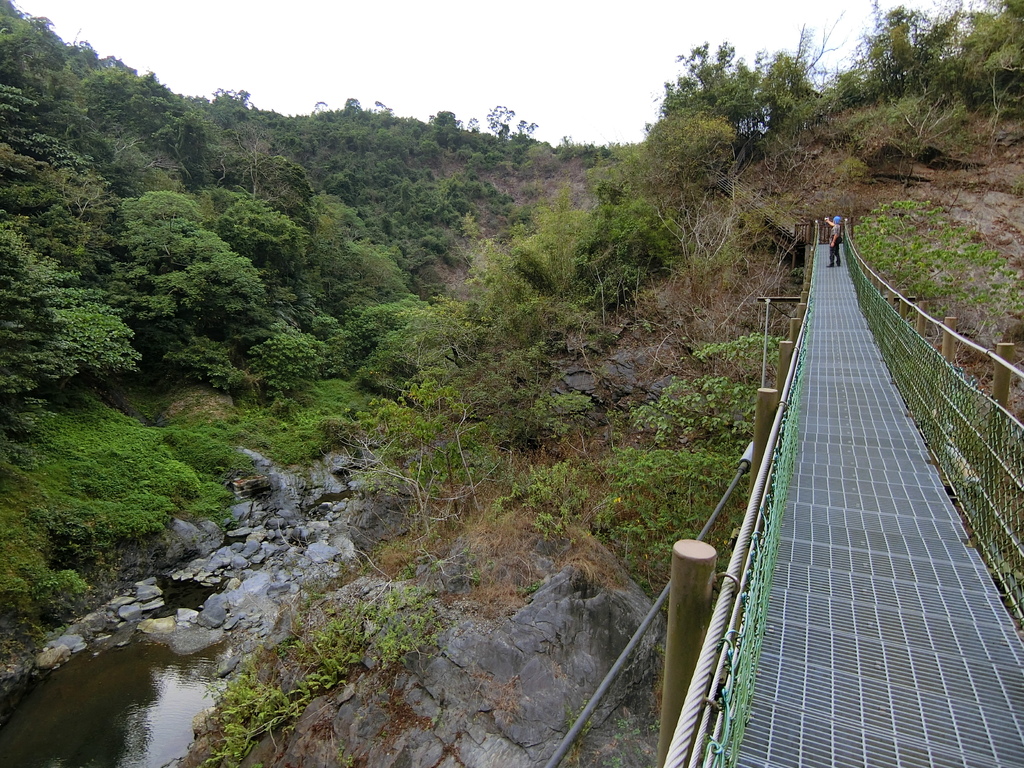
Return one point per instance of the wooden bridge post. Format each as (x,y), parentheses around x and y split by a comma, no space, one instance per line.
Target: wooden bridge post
(922,321)
(785,358)
(948,340)
(906,306)
(1001,381)
(764,415)
(689,612)
(794,328)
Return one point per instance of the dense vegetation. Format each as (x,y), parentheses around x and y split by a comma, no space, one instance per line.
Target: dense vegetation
(353,278)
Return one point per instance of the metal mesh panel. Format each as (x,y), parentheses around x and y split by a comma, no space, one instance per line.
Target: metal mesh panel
(978,445)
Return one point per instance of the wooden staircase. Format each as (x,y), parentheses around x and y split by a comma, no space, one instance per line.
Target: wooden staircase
(789,236)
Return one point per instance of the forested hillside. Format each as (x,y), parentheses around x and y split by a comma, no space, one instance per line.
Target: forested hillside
(152,242)
(527,341)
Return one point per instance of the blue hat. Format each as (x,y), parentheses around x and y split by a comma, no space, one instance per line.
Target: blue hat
(837,219)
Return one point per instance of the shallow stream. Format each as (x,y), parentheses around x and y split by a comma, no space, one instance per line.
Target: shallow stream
(130,707)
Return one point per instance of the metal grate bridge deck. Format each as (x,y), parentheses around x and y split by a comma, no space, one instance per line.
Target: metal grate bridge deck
(887,644)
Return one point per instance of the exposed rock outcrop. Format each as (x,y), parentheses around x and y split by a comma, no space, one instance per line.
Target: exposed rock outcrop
(627,374)
(499,692)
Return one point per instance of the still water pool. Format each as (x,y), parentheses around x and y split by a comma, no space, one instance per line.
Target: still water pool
(124,708)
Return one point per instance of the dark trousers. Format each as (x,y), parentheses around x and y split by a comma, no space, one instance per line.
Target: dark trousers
(833,254)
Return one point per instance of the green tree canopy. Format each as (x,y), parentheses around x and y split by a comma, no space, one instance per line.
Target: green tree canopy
(180,280)
(29,348)
(911,53)
(718,84)
(270,240)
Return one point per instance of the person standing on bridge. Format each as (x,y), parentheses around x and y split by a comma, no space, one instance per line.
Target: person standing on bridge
(834,241)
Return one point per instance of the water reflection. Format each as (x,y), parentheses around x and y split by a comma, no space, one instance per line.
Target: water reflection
(127,708)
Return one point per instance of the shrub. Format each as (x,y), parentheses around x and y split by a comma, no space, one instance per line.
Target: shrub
(332,641)
(658,497)
(287,359)
(556,495)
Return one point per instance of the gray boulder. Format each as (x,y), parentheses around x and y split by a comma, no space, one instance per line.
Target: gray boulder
(185,539)
(250,548)
(145,592)
(320,552)
(74,643)
(383,517)
(214,612)
(130,612)
(90,625)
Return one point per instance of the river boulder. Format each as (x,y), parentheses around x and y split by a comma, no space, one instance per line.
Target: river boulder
(53,657)
(185,539)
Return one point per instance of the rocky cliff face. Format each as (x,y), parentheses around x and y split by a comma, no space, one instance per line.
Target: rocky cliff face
(490,687)
(491,692)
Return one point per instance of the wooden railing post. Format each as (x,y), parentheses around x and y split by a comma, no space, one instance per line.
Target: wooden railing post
(922,321)
(794,328)
(764,416)
(1001,380)
(689,612)
(785,358)
(948,340)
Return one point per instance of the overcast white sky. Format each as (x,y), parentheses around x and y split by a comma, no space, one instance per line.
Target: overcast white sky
(593,71)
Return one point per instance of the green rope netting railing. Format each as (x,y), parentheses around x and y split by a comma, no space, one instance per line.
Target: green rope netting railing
(976,442)
(717,704)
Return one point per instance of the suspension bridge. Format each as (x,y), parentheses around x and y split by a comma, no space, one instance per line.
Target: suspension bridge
(866,619)
(871,611)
